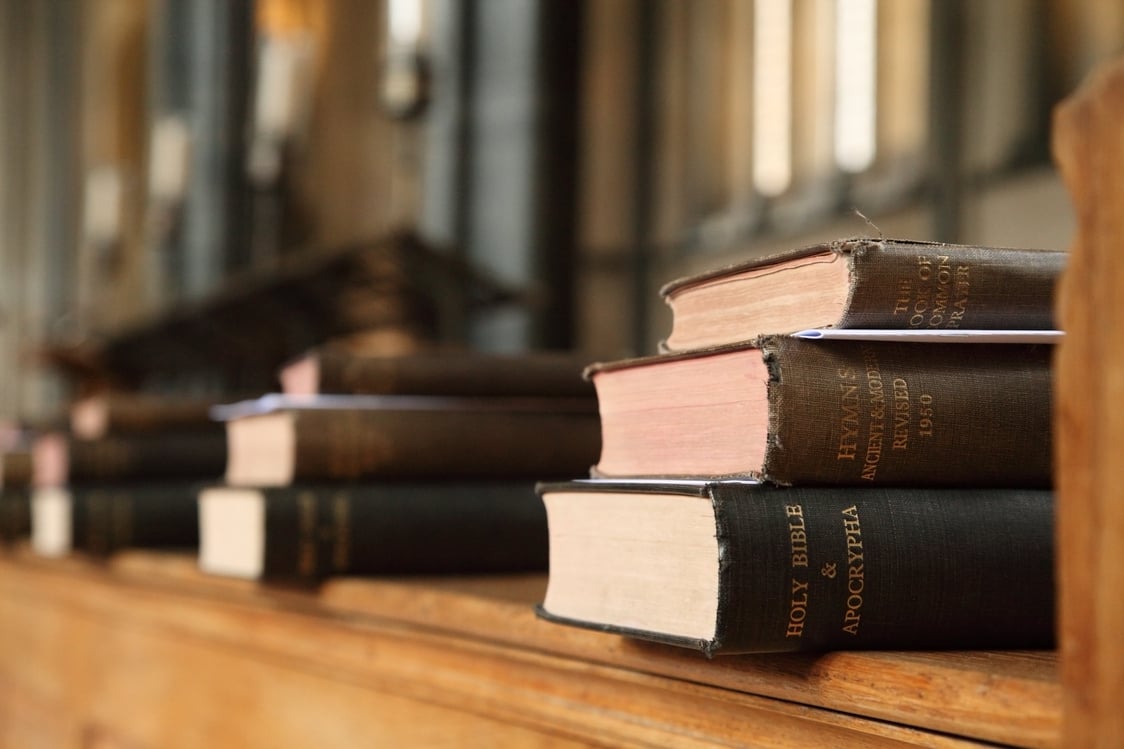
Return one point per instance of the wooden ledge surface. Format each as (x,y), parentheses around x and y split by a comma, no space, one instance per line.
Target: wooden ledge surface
(1004,697)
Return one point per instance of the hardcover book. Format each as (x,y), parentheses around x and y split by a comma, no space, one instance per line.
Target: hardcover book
(102,519)
(101,414)
(303,534)
(737,567)
(865,283)
(279,440)
(840,412)
(15,495)
(61,459)
(15,514)
(439,372)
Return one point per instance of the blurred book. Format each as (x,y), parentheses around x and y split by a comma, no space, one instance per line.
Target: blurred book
(99,519)
(15,494)
(115,412)
(126,475)
(279,440)
(338,370)
(61,459)
(307,532)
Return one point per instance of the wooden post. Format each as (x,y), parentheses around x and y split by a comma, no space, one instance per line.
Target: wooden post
(1088,143)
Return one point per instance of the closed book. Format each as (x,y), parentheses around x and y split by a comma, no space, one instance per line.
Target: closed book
(63,459)
(841,412)
(276,441)
(15,514)
(865,283)
(102,519)
(737,567)
(335,369)
(100,414)
(305,533)
(16,468)
(15,495)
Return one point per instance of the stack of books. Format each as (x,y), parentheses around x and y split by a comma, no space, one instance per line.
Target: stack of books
(124,472)
(422,463)
(842,447)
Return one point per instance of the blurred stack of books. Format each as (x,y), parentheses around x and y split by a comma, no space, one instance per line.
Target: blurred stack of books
(422,463)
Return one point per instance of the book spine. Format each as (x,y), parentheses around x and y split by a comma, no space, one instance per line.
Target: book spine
(425,444)
(16,470)
(124,416)
(467,375)
(15,514)
(108,519)
(876,413)
(823,569)
(314,532)
(935,287)
(190,455)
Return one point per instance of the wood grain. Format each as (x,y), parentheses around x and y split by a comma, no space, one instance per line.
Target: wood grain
(1088,144)
(1010,698)
(156,655)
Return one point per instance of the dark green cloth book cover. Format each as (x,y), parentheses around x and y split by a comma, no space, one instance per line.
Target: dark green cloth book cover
(803,568)
(308,532)
(142,515)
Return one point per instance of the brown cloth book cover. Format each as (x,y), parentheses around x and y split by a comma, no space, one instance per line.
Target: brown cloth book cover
(100,414)
(334,369)
(278,440)
(846,412)
(15,494)
(866,283)
(63,460)
(15,514)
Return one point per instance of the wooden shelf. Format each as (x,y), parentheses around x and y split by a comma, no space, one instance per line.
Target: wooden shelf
(149,652)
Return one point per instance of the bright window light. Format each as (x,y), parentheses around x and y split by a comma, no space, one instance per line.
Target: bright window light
(404,22)
(856,57)
(772,96)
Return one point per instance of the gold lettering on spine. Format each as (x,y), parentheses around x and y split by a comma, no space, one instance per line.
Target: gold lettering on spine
(353,448)
(797,535)
(939,298)
(306,529)
(849,420)
(960,295)
(341,522)
(877,413)
(797,609)
(924,290)
(905,293)
(798,546)
(902,414)
(856,576)
(944,285)
(926,414)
